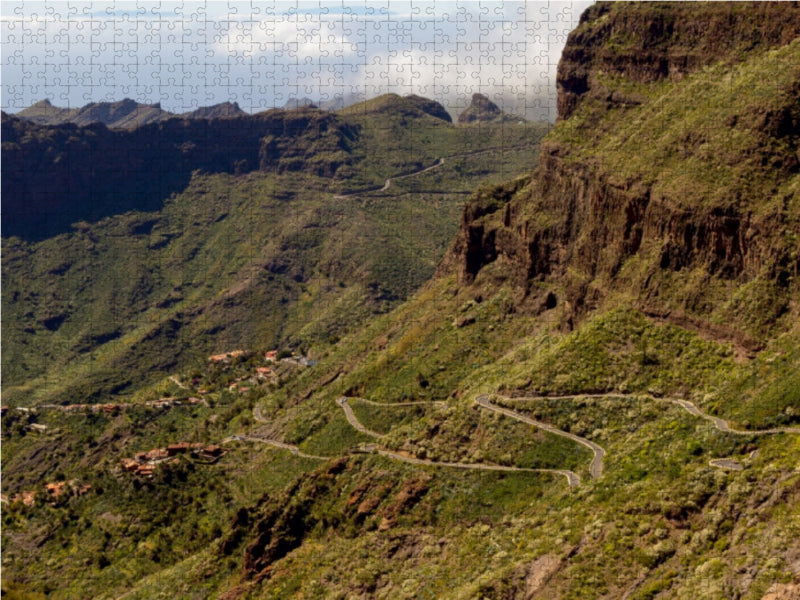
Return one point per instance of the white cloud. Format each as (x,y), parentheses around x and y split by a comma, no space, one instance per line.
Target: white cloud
(261,53)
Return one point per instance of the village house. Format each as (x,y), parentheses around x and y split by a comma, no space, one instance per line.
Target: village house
(212,452)
(27,497)
(56,489)
(156,454)
(178,448)
(264,372)
(130,464)
(226,356)
(271,356)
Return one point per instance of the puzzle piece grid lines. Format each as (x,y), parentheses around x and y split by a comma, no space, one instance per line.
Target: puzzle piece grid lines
(261,55)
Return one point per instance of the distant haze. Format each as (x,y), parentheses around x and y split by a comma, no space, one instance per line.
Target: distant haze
(263,55)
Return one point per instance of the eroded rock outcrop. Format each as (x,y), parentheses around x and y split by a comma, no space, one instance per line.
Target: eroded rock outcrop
(580,229)
(661,40)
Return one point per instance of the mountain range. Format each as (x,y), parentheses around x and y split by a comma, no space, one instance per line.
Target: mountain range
(125,113)
(372,353)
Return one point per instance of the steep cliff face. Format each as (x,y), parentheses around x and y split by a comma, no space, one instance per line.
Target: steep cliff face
(685,202)
(663,40)
(57,175)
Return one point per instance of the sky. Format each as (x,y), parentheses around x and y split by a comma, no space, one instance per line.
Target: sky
(261,54)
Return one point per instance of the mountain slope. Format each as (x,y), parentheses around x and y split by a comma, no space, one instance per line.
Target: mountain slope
(636,290)
(263,229)
(650,260)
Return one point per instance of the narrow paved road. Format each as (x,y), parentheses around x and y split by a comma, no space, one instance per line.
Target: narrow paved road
(726,463)
(596,466)
(257,414)
(572,478)
(723,425)
(177,382)
(691,408)
(393,404)
(386,184)
(353,420)
(283,445)
(439,162)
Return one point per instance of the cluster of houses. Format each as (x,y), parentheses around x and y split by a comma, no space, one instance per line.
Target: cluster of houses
(226,357)
(261,374)
(144,463)
(53,490)
(114,408)
(270,356)
(297,359)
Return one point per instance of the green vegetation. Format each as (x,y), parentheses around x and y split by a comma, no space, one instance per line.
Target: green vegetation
(268,260)
(237,260)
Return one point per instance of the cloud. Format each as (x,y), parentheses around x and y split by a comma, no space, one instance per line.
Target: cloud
(261,54)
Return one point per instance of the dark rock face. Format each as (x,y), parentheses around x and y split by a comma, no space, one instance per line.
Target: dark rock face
(574,226)
(54,176)
(222,110)
(480,109)
(430,107)
(595,223)
(661,40)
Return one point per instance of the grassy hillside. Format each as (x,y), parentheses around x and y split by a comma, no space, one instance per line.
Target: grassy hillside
(608,299)
(236,260)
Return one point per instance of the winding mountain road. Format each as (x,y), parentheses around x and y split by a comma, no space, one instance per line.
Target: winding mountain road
(353,420)
(393,404)
(721,424)
(282,445)
(596,466)
(572,478)
(177,382)
(439,162)
(726,463)
(386,184)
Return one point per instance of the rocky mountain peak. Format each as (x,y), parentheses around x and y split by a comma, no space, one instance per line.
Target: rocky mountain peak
(480,109)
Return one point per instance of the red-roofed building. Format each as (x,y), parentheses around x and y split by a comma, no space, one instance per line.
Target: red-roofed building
(156,454)
(178,448)
(212,450)
(130,464)
(56,489)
